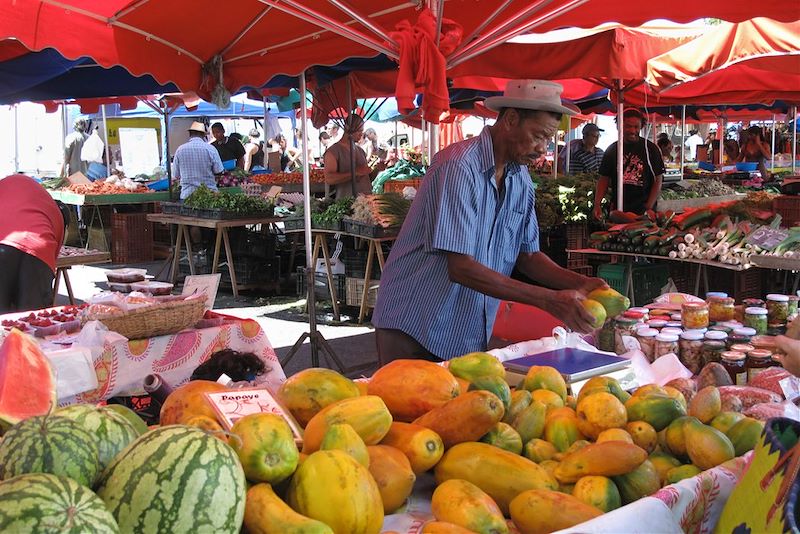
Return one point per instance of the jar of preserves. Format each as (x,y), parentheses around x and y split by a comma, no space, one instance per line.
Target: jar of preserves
(623,326)
(734,363)
(753,303)
(690,348)
(793,300)
(712,351)
(716,335)
(757,361)
(756,318)
(675,317)
(695,315)
(733,325)
(644,311)
(742,347)
(665,344)
(605,338)
(672,330)
(720,327)
(764,342)
(639,316)
(674,324)
(745,332)
(721,309)
(777,309)
(647,341)
(657,323)
(716,294)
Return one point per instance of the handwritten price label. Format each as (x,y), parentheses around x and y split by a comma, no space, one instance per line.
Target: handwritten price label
(767,238)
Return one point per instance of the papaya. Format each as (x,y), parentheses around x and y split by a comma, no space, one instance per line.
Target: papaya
(549,398)
(597,491)
(463,385)
(676,474)
(560,412)
(566,488)
(614,434)
(411,388)
(725,420)
(643,435)
(600,412)
(604,384)
(189,400)
(265,446)
(571,402)
(655,409)
(675,436)
(443,527)
(542,511)
(677,395)
(266,513)
(745,434)
(341,436)
(706,446)
(331,487)
(466,505)
(612,300)
(550,467)
(208,424)
(504,436)
(422,446)
(520,399)
(597,311)
(539,450)
(649,389)
(476,364)
(307,392)
(501,474)
(465,418)
(663,462)
(530,421)
(368,416)
(706,404)
(606,459)
(640,482)
(562,432)
(493,384)
(544,377)
(392,472)
(363,386)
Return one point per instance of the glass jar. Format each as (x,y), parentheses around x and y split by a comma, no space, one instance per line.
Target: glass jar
(733,325)
(605,338)
(712,351)
(764,342)
(690,348)
(639,316)
(675,317)
(753,303)
(672,330)
(721,309)
(647,341)
(756,318)
(777,309)
(644,311)
(665,344)
(695,315)
(716,335)
(793,300)
(745,331)
(720,327)
(742,347)
(757,361)
(674,324)
(623,327)
(657,323)
(715,294)
(734,363)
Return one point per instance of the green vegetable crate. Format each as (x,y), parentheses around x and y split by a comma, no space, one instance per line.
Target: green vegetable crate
(648,279)
(369,230)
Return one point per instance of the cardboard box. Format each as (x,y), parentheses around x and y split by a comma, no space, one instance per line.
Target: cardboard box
(78,178)
(274,161)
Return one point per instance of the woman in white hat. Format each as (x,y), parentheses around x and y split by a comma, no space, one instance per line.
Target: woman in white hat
(196,162)
(472,222)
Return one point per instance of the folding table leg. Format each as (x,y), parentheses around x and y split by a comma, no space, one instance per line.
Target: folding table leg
(69,287)
(362,312)
(229,255)
(334,297)
(176,254)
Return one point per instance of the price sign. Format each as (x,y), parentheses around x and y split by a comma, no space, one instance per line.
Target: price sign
(767,238)
(234,404)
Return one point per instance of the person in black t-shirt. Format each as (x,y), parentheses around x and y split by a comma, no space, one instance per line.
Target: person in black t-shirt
(642,167)
(229,148)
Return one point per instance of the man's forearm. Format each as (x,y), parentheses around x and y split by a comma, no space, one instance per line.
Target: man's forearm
(655,191)
(540,268)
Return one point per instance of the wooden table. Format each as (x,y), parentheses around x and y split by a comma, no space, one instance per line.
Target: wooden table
(64,263)
(320,244)
(220,226)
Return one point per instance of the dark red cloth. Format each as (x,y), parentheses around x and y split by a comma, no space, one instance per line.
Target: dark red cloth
(423,66)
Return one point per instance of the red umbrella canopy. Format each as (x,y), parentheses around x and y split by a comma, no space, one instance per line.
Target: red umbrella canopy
(192,42)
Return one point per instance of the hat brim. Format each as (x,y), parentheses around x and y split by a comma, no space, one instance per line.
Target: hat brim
(496,103)
(196,130)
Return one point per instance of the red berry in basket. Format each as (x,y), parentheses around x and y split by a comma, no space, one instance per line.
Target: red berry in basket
(7,322)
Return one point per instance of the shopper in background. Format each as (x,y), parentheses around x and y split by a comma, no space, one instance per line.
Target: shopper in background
(73,145)
(585,156)
(692,142)
(290,156)
(229,148)
(196,162)
(32,231)
(642,167)
(339,162)
(665,146)
(253,151)
(472,221)
(755,149)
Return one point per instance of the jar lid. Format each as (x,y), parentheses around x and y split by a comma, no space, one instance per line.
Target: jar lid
(643,311)
(692,335)
(755,311)
(777,297)
(745,331)
(793,298)
(761,342)
(753,302)
(674,324)
(717,294)
(713,344)
(742,347)
(691,306)
(667,338)
(716,335)
(646,332)
(731,324)
(657,323)
(760,354)
(630,314)
(733,355)
(677,316)
(672,330)
(626,321)
(701,330)
(721,328)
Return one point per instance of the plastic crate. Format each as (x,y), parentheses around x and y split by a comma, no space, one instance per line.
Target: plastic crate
(355,290)
(321,288)
(368,230)
(171,208)
(131,238)
(293,223)
(788,207)
(251,270)
(335,227)
(648,279)
(355,264)
(397,186)
(577,235)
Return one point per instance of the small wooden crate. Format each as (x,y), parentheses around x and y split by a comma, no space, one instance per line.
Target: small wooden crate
(397,186)
(355,290)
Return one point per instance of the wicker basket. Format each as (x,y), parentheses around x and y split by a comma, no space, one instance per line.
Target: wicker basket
(152,321)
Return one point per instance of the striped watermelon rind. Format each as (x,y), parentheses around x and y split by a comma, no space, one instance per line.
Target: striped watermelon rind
(112,431)
(175,479)
(49,444)
(43,503)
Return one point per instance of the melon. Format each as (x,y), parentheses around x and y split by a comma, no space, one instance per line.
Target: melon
(49,444)
(175,479)
(27,382)
(48,503)
(112,432)
(131,416)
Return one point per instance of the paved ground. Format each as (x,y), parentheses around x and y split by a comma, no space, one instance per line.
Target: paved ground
(282,318)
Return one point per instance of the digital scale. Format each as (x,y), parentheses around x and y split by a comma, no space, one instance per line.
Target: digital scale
(574,365)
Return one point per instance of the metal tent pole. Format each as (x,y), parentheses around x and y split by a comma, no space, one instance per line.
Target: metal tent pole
(555,155)
(168,155)
(567,147)
(683,138)
(105,135)
(620,147)
(772,163)
(16,137)
(721,137)
(794,138)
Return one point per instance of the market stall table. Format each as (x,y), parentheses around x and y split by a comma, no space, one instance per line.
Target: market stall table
(70,256)
(220,226)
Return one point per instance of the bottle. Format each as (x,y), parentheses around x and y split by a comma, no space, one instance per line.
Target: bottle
(757,361)
(734,363)
(157,387)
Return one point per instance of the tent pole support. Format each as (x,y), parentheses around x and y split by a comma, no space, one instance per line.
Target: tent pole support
(371,26)
(772,163)
(683,138)
(168,156)
(105,132)
(620,144)
(794,139)
(482,26)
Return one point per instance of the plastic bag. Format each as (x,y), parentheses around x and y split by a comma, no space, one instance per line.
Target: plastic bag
(559,340)
(93,149)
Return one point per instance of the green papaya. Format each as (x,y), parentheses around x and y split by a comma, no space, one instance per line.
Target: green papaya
(476,364)
(656,409)
(493,384)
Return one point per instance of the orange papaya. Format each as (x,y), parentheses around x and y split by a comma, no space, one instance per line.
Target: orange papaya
(464,418)
(411,388)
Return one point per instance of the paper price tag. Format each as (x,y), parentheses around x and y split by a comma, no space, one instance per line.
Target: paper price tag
(767,238)
(232,405)
(790,387)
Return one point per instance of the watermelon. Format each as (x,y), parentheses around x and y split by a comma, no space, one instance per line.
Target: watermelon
(132,417)
(49,444)
(112,431)
(175,479)
(27,382)
(48,503)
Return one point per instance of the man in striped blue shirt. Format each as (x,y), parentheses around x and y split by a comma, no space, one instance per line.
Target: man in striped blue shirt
(471,222)
(196,162)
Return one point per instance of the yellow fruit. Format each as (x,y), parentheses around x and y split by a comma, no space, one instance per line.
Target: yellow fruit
(465,504)
(706,404)
(599,412)
(597,491)
(539,450)
(505,437)
(443,527)
(677,395)
(612,301)
(465,418)
(707,447)
(412,388)
(725,420)
(189,400)
(614,434)
(422,446)
(560,412)
(368,416)
(649,389)
(307,392)
(640,482)
(543,511)
(266,513)
(530,422)
(571,402)
(604,384)
(675,436)
(550,467)
(543,377)
(265,446)
(609,458)
(745,434)
(520,399)
(562,432)
(597,310)
(676,474)
(643,434)
(392,472)
(208,424)
(663,462)
(475,364)
(549,398)
(341,436)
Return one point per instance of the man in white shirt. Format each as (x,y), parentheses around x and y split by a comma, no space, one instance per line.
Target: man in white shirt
(693,141)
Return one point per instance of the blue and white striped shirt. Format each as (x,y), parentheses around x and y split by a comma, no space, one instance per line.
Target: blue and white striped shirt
(457,209)
(195,163)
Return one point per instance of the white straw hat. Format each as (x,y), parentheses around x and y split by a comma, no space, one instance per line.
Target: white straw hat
(531,94)
(198,127)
